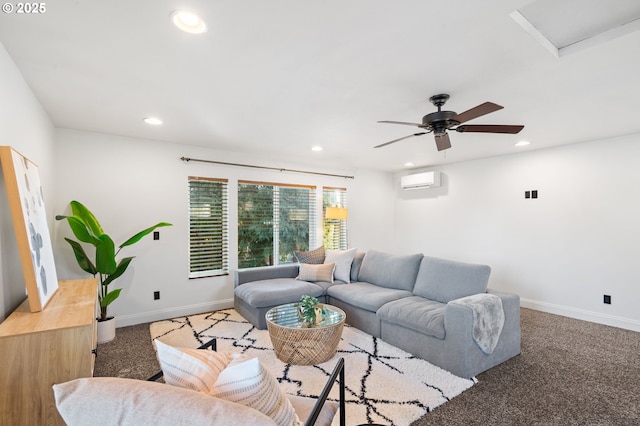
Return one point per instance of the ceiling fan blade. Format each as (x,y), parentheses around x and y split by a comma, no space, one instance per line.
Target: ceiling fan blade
(443,142)
(476,112)
(399,139)
(400,122)
(489,128)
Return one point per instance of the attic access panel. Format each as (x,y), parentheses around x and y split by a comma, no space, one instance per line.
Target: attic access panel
(566,26)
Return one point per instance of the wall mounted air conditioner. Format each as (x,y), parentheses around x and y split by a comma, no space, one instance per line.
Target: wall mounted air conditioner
(420,180)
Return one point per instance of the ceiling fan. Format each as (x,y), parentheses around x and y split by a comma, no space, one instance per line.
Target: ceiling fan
(440,121)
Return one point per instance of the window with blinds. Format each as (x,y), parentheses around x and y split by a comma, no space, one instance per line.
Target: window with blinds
(208,227)
(274,220)
(334,234)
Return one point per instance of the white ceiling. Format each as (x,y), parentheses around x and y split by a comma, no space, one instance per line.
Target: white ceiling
(279,76)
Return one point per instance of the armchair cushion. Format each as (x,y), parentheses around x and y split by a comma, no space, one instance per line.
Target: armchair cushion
(114,401)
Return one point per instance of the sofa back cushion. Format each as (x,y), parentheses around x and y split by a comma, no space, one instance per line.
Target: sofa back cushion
(445,280)
(390,271)
(356,264)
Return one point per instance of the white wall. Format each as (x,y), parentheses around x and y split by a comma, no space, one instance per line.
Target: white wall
(131,184)
(25,126)
(562,252)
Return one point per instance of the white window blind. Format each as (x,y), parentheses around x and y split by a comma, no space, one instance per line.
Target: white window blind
(334,230)
(274,220)
(208,227)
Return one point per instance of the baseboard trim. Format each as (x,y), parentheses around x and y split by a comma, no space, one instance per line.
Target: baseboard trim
(581,314)
(179,311)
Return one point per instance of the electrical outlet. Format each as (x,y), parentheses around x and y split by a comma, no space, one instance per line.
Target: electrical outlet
(527,194)
(156,295)
(607,299)
(534,193)
(156,235)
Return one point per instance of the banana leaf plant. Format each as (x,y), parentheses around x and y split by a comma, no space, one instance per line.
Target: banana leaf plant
(87,229)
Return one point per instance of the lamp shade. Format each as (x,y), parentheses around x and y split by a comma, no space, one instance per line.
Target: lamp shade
(339,213)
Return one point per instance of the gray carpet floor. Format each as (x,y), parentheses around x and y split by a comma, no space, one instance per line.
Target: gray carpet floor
(570,372)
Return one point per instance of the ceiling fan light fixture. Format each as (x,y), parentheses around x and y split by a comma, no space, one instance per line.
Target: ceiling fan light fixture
(188,22)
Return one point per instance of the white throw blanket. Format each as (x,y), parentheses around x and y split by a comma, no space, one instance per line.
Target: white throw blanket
(488,319)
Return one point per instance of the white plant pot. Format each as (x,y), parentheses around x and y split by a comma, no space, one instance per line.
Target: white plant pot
(106,330)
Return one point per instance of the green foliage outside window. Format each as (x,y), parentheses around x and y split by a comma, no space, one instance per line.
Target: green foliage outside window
(273,222)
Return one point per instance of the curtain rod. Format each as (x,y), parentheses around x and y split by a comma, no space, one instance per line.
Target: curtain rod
(265,167)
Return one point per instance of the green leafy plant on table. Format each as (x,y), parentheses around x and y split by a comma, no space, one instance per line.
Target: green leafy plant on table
(309,308)
(87,229)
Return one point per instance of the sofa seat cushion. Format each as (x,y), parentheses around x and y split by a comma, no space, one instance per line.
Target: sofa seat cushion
(390,271)
(277,291)
(446,280)
(365,295)
(416,313)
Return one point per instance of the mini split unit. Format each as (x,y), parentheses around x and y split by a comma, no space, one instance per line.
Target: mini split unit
(420,180)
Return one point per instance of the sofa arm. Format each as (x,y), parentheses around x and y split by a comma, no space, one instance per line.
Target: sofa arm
(459,319)
(265,273)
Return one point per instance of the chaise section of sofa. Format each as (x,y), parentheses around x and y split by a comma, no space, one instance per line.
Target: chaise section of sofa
(259,289)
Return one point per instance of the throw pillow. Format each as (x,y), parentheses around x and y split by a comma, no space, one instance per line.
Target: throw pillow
(315,273)
(342,259)
(196,369)
(313,256)
(247,382)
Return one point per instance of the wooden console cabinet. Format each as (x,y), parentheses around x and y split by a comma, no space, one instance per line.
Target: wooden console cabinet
(39,349)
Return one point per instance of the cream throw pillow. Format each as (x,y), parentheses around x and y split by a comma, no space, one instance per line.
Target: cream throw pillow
(196,369)
(343,260)
(313,273)
(247,382)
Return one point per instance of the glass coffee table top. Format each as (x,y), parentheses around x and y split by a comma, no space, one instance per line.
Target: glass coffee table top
(287,316)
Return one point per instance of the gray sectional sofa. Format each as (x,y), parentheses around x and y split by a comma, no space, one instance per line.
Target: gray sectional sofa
(436,309)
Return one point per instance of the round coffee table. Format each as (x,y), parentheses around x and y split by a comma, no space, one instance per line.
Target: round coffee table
(296,344)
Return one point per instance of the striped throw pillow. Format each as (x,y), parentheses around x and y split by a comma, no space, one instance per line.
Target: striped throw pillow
(247,382)
(196,369)
(315,273)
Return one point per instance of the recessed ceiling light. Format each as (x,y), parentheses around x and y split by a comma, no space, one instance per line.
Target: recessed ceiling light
(316,148)
(188,22)
(154,121)
(409,164)
(522,143)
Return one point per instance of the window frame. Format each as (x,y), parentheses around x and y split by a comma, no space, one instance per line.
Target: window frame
(275,219)
(221,254)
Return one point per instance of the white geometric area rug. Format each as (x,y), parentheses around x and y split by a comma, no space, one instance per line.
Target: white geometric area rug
(383,383)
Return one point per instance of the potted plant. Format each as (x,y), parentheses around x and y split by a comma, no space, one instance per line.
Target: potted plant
(310,311)
(87,229)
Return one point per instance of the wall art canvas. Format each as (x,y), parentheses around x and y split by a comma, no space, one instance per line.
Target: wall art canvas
(26,202)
